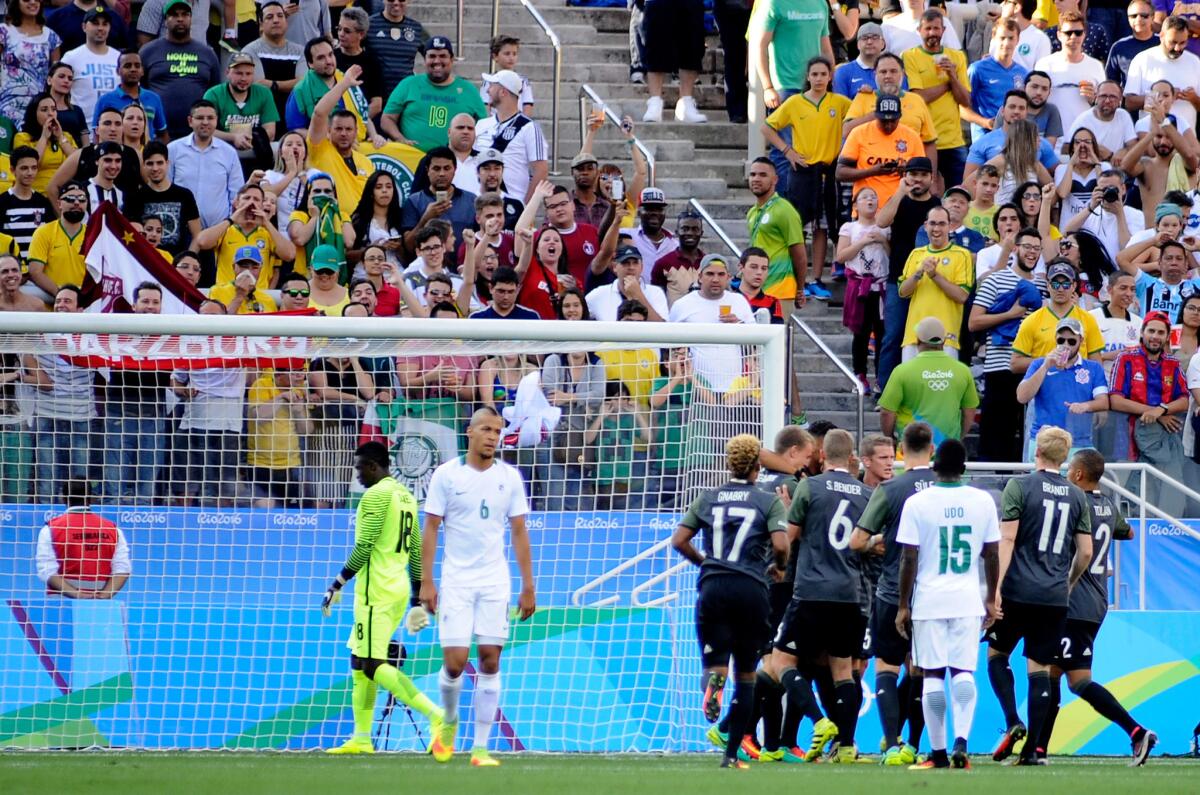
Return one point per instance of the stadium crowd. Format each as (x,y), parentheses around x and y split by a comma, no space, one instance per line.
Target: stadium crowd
(1037,204)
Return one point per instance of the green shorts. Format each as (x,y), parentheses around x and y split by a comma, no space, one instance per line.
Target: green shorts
(373,628)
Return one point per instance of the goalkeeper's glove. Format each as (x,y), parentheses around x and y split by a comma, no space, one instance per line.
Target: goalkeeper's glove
(332,596)
(417,619)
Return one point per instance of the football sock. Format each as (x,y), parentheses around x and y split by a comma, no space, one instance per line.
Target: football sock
(398,684)
(362,700)
(1052,713)
(858,693)
(888,700)
(934,703)
(451,688)
(800,695)
(769,696)
(1004,686)
(845,711)
(904,696)
(1039,706)
(487,701)
(791,727)
(824,682)
(1106,704)
(916,710)
(740,711)
(962,690)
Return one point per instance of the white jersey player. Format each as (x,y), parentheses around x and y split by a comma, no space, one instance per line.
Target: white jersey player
(944,532)
(475,497)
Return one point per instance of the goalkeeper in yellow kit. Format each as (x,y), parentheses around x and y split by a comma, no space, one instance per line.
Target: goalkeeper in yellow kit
(386,560)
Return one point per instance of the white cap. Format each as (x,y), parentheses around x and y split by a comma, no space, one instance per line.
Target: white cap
(508,79)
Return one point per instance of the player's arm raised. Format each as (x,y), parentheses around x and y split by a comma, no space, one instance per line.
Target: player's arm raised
(369,528)
(429,541)
(526,602)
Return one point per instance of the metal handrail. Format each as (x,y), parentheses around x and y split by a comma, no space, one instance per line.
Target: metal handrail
(841,366)
(708,219)
(459,34)
(586,93)
(558,62)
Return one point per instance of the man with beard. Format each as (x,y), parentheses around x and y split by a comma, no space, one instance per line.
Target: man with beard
(676,272)
(441,199)
(321,78)
(1161,293)
(1015,108)
(1170,151)
(419,109)
(859,75)
(1169,61)
(1042,112)
(590,206)
(331,142)
(1108,121)
(178,68)
(649,236)
(914,113)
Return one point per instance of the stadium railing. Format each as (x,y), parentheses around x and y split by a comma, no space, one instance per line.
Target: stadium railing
(588,94)
(716,227)
(552,37)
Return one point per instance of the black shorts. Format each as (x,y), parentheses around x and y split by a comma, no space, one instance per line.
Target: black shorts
(815,194)
(674,34)
(810,628)
(732,619)
(890,645)
(866,649)
(1042,627)
(1076,648)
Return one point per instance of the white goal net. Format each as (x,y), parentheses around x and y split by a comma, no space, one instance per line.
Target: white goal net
(222,449)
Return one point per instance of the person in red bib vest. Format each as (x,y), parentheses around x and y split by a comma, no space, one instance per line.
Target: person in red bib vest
(81,555)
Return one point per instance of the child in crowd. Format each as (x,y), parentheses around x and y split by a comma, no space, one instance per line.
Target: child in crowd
(982,209)
(863,248)
(506,50)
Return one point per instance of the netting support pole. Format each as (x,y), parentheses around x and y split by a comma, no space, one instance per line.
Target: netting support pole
(774,384)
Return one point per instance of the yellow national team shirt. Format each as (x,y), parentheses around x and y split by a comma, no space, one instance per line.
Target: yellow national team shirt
(954,263)
(272,443)
(59,252)
(1036,335)
(6,175)
(816,127)
(914,113)
(233,239)
(349,183)
(922,72)
(255,304)
(636,368)
(48,163)
(300,264)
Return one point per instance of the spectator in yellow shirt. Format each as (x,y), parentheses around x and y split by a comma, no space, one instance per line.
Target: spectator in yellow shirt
(936,279)
(243,296)
(278,411)
(1036,334)
(55,251)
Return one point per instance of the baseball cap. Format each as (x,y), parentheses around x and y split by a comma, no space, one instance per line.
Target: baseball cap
(439,43)
(653,196)
(173,3)
(919,164)
(99,11)
(887,107)
(109,148)
(714,259)
(583,158)
(510,80)
(960,190)
(489,156)
(627,253)
(325,258)
(931,331)
(1061,269)
(870,29)
(1159,316)
(241,59)
(248,254)
(1070,324)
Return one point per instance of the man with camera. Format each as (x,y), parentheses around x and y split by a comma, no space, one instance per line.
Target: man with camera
(1106,215)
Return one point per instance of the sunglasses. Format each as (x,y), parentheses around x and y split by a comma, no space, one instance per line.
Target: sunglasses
(297,293)
(1071,32)
(74,199)
(1065,245)
(1060,284)
(1067,341)
(1137,16)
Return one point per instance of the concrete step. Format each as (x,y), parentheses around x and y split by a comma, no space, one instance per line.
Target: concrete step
(832,401)
(478,32)
(664,149)
(845,419)
(679,189)
(514,17)
(624,93)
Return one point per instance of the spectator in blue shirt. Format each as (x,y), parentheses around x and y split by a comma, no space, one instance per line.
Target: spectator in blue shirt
(994,76)
(130,72)
(506,285)
(67,22)
(851,77)
(1015,108)
(1140,14)
(206,165)
(439,199)
(957,200)
(1066,388)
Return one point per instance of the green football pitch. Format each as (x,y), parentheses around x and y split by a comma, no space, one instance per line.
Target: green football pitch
(528,774)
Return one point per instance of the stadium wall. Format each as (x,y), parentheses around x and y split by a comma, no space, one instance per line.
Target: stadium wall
(218,642)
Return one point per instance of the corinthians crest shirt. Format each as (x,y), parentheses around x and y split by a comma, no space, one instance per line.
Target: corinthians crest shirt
(868,145)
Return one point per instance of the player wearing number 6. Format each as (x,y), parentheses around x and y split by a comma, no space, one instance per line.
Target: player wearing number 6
(1045,547)
(823,617)
(475,497)
(944,532)
(745,533)
(386,567)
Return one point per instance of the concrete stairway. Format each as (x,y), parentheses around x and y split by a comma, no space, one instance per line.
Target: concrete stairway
(704,161)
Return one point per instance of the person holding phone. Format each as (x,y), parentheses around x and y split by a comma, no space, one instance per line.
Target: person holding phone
(440,199)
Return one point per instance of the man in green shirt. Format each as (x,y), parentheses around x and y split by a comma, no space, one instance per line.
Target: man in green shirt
(242,105)
(784,35)
(386,565)
(420,108)
(933,387)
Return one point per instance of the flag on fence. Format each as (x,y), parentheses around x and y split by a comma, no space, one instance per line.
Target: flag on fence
(418,446)
(118,259)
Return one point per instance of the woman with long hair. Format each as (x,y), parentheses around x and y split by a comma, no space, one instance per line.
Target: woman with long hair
(27,48)
(288,177)
(998,256)
(1091,261)
(1036,203)
(135,128)
(377,218)
(375,265)
(70,115)
(1017,162)
(539,263)
(1185,335)
(572,305)
(42,131)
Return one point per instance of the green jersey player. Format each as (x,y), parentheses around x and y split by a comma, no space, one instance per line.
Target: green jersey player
(386,567)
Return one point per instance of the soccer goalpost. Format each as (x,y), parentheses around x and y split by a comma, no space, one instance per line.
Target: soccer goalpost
(221,447)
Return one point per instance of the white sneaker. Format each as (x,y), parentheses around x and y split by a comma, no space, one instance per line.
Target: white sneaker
(685,111)
(654,109)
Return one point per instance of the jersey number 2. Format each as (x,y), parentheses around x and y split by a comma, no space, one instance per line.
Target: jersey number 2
(745,516)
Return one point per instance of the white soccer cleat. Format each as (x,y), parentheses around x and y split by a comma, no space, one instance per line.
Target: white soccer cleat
(654,110)
(685,111)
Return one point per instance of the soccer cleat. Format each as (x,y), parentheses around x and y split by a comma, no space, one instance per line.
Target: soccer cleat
(928,764)
(442,744)
(714,691)
(1005,747)
(959,759)
(685,111)
(824,732)
(654,110)
(749,749)
(718,738)
(1142,746)
(353,746)
(818,291)
(793,756)
(1030,760)
(481,758)
(771,756)
(844,755)
(734,764)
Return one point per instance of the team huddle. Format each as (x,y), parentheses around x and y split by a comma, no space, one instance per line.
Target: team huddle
(805,577)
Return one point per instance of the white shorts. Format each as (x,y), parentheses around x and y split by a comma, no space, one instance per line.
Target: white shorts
(479,613)
(946,643)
